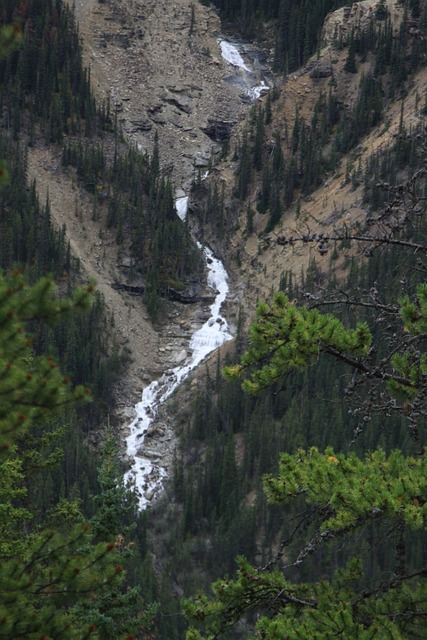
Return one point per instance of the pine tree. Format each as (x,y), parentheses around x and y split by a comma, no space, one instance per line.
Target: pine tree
(350,63)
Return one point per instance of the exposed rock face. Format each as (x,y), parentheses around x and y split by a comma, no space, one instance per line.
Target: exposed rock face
(338,24)
(321,71)
(219,130)
(191,295)
(182,103)
(164,74)
(141,125)
(160,64)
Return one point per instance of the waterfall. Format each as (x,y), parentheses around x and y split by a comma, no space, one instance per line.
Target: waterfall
(147,474)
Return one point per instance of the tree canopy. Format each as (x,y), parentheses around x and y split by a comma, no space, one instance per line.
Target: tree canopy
(361,503)
(65,577)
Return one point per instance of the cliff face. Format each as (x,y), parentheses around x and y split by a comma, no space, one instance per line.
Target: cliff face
(159,66)
(338,200)
(338,24)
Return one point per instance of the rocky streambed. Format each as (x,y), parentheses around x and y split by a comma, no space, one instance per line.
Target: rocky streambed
(149,464)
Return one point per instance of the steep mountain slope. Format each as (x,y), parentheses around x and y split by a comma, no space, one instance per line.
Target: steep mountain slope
(151,87)
(96,250)
(338,200)
(160,67)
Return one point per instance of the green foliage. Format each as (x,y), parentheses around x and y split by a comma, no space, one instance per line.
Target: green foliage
(45,89)
(56,570)
(414,311)
(350,63)
(31,385)
(298,612)
(71,555)
(115,506)
(338,495)
(46,73)
(10,38)
(285,337)
(294,25)
(289,337)
(55,583)
(346,492)
(11,492)
(118,611)
(140,206)
(314,148)
(342,565)
(351,490)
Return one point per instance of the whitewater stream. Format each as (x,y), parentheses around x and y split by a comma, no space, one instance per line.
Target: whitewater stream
(249,78)
(147,475)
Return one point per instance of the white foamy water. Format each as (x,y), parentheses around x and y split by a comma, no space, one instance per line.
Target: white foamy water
(181,205)
(255,92)
(231,53)
(147,473)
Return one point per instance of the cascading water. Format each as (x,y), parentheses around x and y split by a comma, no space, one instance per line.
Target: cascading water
(254,86)
(181,205)
(231,53)
(146,475)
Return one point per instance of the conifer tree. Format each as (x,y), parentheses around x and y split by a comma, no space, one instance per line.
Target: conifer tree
(350,63)
(381,492)
(46,575)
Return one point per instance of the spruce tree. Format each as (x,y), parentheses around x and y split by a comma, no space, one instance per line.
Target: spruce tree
(350,63)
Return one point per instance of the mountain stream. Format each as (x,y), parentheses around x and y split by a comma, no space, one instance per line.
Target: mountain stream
(145,474)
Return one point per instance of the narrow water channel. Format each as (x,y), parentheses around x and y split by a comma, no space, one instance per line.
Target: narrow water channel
(145,474)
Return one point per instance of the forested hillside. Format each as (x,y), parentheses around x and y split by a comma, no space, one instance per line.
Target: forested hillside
(69,527)
(362,266)
(46,92)
(294,27)
(298,487)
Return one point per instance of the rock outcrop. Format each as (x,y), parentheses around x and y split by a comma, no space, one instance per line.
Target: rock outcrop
(338,24)
(161,66)
(219,130)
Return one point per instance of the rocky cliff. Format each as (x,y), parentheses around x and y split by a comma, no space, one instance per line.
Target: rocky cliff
(160,65)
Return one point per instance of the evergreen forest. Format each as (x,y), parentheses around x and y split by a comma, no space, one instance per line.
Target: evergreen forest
(69,527)
(297,505)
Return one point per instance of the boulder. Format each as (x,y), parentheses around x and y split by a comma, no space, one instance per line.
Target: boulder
(181,356)
(141,125)
(321,71)
(183,103)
